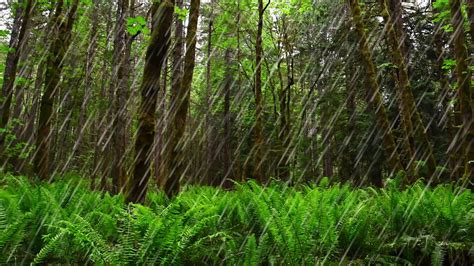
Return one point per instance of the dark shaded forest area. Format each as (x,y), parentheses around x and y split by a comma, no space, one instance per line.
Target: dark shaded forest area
(237,132)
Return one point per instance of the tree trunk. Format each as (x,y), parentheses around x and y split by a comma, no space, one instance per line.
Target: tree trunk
(375,100)
(62,28)
(180,104)
(258,129)
(119,86)
(85,121)
(177,73)
(348,169)
(228,168)
(16,45)
(284,97)
(155,57)
(411,118)
(465,135)
(208,105)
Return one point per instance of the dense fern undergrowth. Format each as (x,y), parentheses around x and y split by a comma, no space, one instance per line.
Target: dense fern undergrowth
(65,222)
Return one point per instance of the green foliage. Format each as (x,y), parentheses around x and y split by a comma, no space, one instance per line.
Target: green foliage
(182,13)
(64,222)
(449,64)
(136,25)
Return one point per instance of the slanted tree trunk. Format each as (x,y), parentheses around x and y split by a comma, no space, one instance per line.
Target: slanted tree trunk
(411,118)
(177,73)
(62,30)
(16,45)
(465,135)
(375,99)
(258,129)
(155,57)
(180,102)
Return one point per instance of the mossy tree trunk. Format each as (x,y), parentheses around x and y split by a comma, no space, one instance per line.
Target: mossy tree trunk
(180,106)
(412,123)
(177,73)
(17,43)
(62,30)
(155,57)
(375,100)
(118,91)
(465,136)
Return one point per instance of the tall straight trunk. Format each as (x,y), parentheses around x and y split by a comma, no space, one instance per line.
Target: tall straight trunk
(326,134)
(62,28)
(411,118)
(101,162)
(155,57)
(84,121)
(208,106)
(179,112)
(375,100)
(348,158)
(160,127)
(177,73)
(119,86)
(19,110)
(228,168)
(465,135)
(23,167)
(259,138)
(284,97)
(16,45)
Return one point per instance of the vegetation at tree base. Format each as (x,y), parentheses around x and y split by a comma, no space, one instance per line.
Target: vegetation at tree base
(237,132)
(65,222)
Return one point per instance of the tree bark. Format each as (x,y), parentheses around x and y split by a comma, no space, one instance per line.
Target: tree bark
(258,128)
(375,98)
(155,57)
(84,122)
(411,118)
(465,135)
(16,45)
(284,97)
(208,127)
(62,28)
(177,73)
(228,168)
(119,87)
(180,106)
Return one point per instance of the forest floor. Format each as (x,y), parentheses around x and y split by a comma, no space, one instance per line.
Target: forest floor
(66,222)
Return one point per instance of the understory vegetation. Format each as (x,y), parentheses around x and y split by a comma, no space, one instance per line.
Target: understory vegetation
(66,222)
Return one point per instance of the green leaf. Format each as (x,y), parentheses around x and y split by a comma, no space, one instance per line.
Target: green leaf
(449,64)
(181,12)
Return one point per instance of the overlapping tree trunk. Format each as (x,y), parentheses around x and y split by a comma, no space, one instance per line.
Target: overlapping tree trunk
(155,57)
(465,136)
(180,106)
(16,45)
(118,90)
(412,123)
(375,100)
(62,30)
(258,128)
